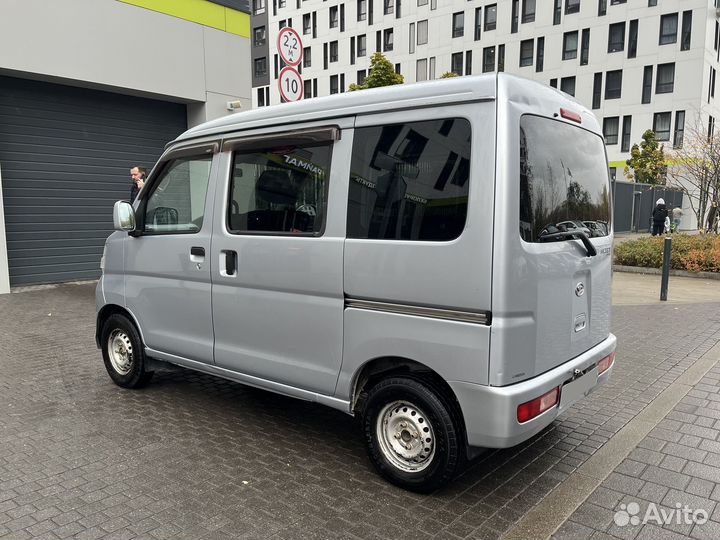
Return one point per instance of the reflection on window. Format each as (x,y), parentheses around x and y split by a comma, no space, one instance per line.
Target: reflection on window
(279,190)
(410,181)
(563,181)
(177,202)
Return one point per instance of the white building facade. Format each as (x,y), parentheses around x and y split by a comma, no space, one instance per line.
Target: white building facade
(639,64)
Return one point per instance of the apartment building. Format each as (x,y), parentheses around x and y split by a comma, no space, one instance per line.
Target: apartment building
(639,64)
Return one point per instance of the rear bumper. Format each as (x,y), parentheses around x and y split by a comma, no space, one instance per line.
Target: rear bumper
(490,412)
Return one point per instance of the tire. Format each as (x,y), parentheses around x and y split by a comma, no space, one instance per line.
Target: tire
(401,412)
(123,353)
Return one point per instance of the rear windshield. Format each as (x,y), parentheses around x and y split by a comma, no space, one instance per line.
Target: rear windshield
(564,181)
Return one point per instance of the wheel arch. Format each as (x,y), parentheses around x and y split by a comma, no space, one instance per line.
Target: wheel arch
(106,312)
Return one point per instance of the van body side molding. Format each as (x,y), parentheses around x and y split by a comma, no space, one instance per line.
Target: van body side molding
(475,317)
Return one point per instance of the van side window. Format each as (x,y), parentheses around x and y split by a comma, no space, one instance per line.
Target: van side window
(177,202)
(410,181)
(279,190)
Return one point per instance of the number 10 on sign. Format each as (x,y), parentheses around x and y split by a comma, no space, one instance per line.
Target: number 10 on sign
(291,84)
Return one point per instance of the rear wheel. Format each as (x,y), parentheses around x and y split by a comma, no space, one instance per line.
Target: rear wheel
(123,353)
(413,437)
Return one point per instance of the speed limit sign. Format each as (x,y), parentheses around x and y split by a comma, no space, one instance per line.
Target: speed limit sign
(290,46)
(291,84)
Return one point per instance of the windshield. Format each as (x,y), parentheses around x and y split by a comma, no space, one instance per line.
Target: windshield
(564,181)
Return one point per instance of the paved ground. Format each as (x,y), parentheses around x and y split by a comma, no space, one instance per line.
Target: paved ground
(197,457)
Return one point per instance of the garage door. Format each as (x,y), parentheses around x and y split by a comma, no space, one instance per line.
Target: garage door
(65,156)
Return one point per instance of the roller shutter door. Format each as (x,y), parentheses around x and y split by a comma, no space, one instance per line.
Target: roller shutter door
(65,156)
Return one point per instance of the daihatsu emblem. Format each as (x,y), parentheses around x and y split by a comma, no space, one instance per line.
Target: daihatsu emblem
(579,289)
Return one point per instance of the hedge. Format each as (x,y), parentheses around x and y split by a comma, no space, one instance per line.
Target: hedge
(699,253)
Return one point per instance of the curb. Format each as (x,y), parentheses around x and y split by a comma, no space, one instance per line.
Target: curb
(658,272)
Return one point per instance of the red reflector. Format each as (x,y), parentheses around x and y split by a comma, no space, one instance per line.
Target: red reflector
(531,409)
(571,115)
(604,364)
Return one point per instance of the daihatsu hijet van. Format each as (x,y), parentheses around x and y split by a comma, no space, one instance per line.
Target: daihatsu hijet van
(401,254)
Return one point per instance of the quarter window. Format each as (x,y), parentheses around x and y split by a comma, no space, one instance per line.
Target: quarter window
(177,201)
(279,189)
(410,181)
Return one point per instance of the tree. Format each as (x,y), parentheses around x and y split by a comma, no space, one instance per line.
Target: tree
(647,161)
(449,75)
(382,73)
(695,170)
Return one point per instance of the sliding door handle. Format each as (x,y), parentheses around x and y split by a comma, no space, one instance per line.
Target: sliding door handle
(197,251)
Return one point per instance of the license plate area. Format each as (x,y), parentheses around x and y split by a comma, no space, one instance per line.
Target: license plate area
(577,389)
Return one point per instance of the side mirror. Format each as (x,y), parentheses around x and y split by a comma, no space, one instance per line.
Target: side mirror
(123,216)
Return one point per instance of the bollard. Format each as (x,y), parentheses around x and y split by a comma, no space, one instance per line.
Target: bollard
(666,268)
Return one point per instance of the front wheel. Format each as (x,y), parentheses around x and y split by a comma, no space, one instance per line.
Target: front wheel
(123,353)
(413,436)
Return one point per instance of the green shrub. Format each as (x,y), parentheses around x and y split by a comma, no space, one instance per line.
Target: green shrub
(699,253)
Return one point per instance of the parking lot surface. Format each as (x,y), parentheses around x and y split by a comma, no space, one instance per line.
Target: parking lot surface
(192,456)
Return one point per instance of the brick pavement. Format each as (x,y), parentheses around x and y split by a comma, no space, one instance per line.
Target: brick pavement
(192,456)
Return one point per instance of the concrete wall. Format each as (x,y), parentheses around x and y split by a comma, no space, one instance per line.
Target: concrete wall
(120,47)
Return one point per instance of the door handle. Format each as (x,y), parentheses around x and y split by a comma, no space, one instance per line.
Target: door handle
(230,262)
(197,251)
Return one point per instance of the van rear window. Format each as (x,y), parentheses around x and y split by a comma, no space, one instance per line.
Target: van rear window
(564,180)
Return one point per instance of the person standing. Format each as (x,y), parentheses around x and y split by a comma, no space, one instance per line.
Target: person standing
(677,215)
(658,216)
(138,181)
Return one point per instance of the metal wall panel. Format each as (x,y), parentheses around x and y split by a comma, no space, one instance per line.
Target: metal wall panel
(66,153)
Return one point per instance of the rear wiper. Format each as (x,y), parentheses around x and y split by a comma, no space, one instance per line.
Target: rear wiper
(591,251)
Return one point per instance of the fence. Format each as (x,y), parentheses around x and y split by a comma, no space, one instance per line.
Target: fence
(634,203)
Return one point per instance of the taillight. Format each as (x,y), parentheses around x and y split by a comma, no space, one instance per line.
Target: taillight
(604,364)
(531,409)
(571,115)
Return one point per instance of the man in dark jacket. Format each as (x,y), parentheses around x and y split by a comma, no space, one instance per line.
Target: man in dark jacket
(658,217)
(138,181)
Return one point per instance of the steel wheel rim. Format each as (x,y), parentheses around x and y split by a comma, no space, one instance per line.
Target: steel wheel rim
(406,437)
(120,352)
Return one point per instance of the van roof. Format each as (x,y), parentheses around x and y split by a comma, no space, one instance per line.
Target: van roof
(372,101)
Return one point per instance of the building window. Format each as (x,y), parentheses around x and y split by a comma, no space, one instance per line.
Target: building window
(307,25)
(615,2)
(668,28)
(333,17)
(412,38)
(388,6)
(567,85)
(540,58)
(314,35)
(260,67)
(501,58)
(421,70)
(613,84)
(597,91)
(361,76)
(478,23)
(557,12)
(572,6)
(456,63)
(431,68)
(633,39)
(526,52)
(665,82)
(258,7)
(398,9)
(652,3)
(610,130)
(679,129)
(307,57)
(602,8)
(334,84)
(626,131)
(307,89)
(661,126)
(686,31)
(281,3)
(325,55)
(422,2)
(647,84)
(259,36)
(261,97)
(585,47)
(361,10)
(570,45)
(528,11)
(515,16)
(334,51)
(553,83)
(387,39)
(490,17)
(711,128)
(361,45)
(468,62)
(422,32)
(488,59)
(711,84)
(616,37)
(458,24)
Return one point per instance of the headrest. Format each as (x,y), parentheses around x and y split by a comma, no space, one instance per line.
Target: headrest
(274,186)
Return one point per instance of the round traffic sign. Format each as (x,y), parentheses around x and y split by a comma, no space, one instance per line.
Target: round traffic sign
(291,84)
(290,46)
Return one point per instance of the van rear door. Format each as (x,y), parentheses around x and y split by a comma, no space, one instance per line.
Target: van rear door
(553,267)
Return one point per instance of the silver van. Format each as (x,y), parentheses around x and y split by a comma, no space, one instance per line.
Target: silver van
(402,254)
